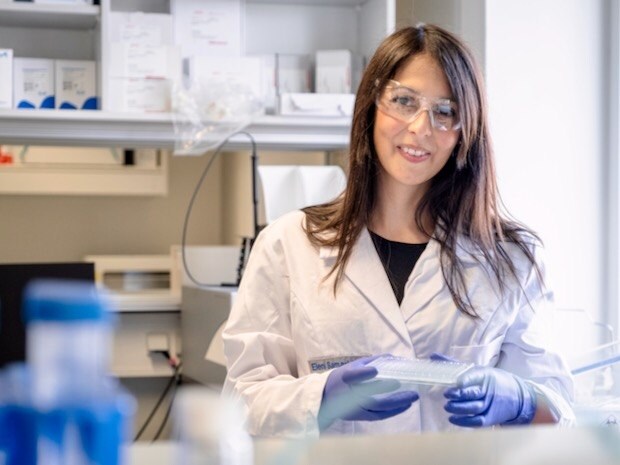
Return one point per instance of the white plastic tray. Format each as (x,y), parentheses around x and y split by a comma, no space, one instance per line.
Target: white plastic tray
(419,371)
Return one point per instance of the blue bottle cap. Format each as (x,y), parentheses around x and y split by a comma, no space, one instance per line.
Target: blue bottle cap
(64,300)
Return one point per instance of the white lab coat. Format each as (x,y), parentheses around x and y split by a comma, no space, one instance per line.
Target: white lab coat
(285,317)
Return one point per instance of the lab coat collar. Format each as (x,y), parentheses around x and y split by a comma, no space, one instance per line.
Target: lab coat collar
(365,271)
(466,250)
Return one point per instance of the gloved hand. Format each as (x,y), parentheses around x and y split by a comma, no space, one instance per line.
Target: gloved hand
(487,396)
(350,393)
(442,357)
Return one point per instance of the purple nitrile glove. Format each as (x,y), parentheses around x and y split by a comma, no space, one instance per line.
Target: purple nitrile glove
(352,394)
(486,396)
(443,358)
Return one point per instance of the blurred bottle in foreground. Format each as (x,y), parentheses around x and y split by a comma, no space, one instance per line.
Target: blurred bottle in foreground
(64,401)
(209,429)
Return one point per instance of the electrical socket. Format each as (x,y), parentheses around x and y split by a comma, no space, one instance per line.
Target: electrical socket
(158,342)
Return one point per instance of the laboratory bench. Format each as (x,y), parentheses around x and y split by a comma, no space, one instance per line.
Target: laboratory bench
(534,445)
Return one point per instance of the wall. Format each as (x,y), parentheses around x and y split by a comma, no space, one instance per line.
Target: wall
(466,18)
(544,63)
(613,165)
(545,74)
(57,228)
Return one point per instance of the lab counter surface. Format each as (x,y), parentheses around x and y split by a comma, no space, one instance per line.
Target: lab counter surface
(534,445)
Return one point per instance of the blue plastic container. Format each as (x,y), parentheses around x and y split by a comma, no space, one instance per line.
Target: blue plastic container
(62,406)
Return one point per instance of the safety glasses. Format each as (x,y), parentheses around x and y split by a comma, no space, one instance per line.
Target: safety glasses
(406,105)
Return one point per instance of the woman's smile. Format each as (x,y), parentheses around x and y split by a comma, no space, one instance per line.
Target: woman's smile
(413,154)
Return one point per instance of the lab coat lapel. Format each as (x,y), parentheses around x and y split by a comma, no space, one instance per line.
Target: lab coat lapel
(427,282)
(365,271)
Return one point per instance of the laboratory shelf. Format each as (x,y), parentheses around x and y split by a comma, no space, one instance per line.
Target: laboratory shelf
(156,372)
(336,3)
(103,129)
(49,16)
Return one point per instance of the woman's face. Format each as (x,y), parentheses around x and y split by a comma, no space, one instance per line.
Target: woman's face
(411,153)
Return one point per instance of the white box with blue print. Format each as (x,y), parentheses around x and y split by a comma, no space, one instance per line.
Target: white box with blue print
(76,85)
(6,78)
(33,83)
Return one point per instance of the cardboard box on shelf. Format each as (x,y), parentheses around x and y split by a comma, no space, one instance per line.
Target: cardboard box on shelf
(33,83)
(76,85)
(6,78)
(333,72)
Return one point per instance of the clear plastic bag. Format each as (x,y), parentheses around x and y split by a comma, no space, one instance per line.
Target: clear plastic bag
(206,113)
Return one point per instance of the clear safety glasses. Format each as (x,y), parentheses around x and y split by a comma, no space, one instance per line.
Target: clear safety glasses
(406,105)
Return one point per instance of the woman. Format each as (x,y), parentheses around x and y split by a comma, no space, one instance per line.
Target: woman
(414,259)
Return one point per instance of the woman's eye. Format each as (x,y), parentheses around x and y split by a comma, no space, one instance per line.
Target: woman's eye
(444,111)
(405,101)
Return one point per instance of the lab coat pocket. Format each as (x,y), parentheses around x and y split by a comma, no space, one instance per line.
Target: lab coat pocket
(479,354)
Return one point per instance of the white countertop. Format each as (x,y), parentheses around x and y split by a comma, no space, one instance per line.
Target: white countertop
(536,445)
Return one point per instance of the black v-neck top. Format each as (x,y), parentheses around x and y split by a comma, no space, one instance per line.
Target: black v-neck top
(398,260)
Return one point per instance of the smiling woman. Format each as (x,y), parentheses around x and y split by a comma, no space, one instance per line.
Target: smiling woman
(414,259)
(411,143)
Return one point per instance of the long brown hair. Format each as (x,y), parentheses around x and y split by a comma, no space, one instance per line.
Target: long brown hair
(462,199)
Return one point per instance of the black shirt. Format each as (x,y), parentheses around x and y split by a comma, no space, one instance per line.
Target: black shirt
(398,260)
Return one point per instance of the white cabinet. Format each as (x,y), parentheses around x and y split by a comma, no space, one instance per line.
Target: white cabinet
(285,26)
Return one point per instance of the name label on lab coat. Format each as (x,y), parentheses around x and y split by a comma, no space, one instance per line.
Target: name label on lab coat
(318,365)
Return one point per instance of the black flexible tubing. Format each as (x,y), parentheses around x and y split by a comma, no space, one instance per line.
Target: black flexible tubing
(197,189)
(158,403)
(168,410)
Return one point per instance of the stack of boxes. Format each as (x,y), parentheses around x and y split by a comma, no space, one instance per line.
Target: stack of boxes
(144,54)
(210,35)
(334,84)
(45,83)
